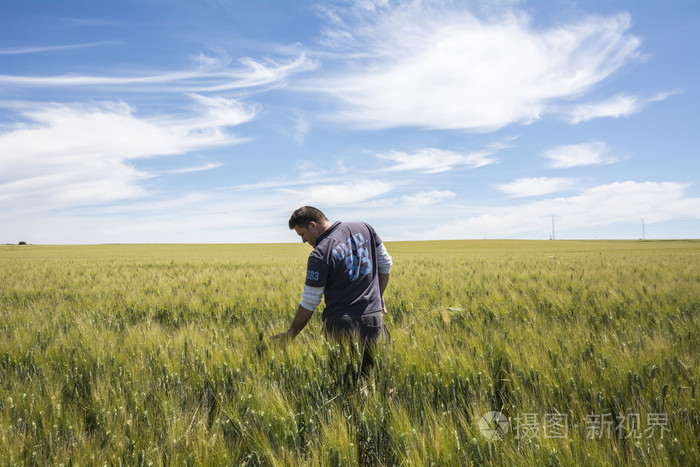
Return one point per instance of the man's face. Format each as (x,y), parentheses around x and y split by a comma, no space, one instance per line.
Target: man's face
(308,234)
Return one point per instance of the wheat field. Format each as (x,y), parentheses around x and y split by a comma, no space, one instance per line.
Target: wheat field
(501,353)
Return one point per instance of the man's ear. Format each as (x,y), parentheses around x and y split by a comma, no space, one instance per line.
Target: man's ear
(312,225)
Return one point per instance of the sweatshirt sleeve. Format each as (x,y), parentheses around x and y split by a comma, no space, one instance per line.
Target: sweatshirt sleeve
(384,261)
(311,297)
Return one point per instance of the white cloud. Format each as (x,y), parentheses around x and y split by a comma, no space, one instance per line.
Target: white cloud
(211,75)
(220,216)
(53,48)
(601,206)
(193,217)
(79,154)
(340,194)
(431,160)
(577,155)
(535,186)
(621,105)
(301,129)
(426,198)
(219,112)
(442,67)
(199,168)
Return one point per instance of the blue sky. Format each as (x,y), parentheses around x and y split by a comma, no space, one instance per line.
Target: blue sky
(210,121)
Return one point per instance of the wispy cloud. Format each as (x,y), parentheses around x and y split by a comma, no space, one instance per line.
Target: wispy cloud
(523,187)
(209,76)
(72,155)
(308,173)
(426,198)
(603,205)
(199,168)
(188,217)
(301,128)
(577,155)
(341,194)
(442,67)
(218,112)
(235,217)
(54,48)
(622,105)
(432,160)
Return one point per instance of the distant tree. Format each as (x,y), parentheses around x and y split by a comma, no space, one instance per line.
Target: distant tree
(22,243)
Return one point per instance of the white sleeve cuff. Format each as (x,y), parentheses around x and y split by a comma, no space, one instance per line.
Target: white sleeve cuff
(383,260)
(311,297)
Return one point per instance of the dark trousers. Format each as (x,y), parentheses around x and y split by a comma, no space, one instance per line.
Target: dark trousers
(366,330)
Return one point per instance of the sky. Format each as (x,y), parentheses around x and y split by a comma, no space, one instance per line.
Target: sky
(210,121)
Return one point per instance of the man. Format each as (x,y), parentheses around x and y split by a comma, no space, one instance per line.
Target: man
(350,267)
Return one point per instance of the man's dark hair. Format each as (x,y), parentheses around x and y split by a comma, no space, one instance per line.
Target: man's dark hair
(303,216)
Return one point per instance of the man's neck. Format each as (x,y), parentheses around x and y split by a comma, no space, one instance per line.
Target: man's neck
(326,225)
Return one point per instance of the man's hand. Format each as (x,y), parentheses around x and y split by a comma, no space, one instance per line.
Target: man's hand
(283,336)
(301,317)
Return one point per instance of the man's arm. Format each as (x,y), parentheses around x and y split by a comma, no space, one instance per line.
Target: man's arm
(384,264)
(383,281)
(301,317)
